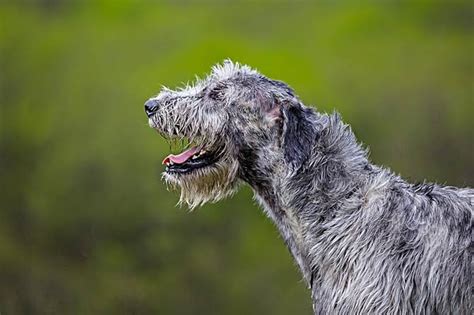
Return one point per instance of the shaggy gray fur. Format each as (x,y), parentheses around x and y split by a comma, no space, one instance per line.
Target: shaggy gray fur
(366,241)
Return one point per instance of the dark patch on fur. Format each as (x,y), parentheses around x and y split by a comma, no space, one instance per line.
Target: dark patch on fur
(298,135)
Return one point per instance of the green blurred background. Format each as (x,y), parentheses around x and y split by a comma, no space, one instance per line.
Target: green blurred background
(86,225)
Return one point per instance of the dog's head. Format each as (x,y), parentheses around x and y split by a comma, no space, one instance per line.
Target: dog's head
(237,124)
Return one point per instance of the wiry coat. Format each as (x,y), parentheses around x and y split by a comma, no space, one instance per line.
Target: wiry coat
(366,241)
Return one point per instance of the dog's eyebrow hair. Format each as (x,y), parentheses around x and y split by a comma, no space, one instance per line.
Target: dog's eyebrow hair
(356,230)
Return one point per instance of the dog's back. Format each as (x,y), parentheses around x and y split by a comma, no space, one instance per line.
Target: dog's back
(407,250)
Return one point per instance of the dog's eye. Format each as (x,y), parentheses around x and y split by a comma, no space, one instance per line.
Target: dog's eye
(217,93)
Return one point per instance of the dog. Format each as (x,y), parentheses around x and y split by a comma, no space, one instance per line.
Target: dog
(365,240)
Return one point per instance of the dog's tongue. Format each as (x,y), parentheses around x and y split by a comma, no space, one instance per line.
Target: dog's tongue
(182,157)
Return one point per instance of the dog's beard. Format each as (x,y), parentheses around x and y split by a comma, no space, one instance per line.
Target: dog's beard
(209,184)
(216,177)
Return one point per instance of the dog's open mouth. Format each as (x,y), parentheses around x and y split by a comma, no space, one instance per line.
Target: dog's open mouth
(191,159)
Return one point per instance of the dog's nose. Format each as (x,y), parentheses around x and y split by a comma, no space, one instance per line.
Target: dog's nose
(151,106)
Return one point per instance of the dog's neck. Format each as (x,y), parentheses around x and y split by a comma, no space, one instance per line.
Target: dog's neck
(335,169)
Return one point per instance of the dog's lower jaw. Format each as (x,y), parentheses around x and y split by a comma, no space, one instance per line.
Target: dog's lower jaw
(209,184)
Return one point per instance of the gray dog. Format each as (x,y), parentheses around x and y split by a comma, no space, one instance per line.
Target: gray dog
(366,241)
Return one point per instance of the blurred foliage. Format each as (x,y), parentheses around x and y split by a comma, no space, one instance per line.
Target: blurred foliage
(86,225)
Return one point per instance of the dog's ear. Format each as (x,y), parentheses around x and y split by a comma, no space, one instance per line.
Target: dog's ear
(294,121)
(298,133)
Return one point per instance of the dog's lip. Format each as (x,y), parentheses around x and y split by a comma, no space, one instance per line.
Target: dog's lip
(182,157)
(199,160)
(195,158)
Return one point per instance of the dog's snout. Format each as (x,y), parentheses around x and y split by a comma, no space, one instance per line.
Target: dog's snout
(151,106)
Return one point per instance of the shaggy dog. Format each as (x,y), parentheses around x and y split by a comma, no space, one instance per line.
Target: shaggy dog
(365,240)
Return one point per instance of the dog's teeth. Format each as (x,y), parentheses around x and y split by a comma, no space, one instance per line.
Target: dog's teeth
(195,156)
(202,152)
